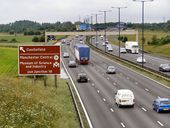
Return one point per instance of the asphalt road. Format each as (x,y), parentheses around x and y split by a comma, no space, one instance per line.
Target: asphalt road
(152,62)
(98,94)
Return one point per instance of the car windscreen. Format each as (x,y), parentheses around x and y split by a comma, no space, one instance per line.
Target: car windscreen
(165,102)
(126,96)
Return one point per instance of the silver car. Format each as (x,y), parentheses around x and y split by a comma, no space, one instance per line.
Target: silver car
(164,67)
(72,64)
(66,55)
(111,70)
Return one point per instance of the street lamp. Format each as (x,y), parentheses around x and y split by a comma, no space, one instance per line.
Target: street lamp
(119,24)
(105,11)
(143,38)
(96,15)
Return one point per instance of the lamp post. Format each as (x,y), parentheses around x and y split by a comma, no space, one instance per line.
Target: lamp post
(119,24)
(143,38)
(105,11)
(96,15)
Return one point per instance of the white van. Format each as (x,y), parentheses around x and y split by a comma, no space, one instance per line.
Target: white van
(124,97)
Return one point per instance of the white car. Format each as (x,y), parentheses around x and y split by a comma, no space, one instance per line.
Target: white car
(124,97)
(65,55)
(104,44)
(111,70)
(139,60)
(122,50)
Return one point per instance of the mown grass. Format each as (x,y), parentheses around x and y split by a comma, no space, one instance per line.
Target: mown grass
(20,38)
(158,50)
(25,103)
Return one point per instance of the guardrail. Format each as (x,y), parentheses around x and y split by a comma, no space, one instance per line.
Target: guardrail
(146,69)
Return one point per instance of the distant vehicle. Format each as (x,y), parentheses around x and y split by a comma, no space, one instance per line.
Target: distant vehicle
(164,67)
(132,47)
(96,43)
(161,104)
(72,64)
(139,60)
(109,48)
(101,37)
(106,41)
(68,43)
(122,50)
(65,55)
(77,36)
(82,53)
(93,37)
(82,77)
(103,44)
(124,97)
(63,41)
(111,70)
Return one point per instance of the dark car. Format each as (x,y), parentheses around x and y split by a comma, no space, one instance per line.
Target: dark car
(161,104)
(72,64)
(82,77)
(164,67)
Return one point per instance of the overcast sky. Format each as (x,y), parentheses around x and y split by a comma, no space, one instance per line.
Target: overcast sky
(70,10)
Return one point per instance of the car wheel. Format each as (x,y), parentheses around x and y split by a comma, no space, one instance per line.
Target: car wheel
(132,106)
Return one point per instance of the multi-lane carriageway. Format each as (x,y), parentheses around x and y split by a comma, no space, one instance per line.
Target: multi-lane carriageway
(98,94)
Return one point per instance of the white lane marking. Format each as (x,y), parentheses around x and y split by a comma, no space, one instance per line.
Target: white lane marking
(160,123)
(104,99)
(114,83)
(122,125)
(103,74)
(136,83)
(146,89)
(144,109)
(127,78)
(98,91)
(88,79)
(92,84)
(108,78)
(111,110)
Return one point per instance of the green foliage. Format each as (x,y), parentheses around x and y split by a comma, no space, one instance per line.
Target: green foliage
(159,41)
(28,104)
(13,41)
(123,39)
(35,39)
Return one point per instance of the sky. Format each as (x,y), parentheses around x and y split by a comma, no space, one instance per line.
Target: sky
(74,10)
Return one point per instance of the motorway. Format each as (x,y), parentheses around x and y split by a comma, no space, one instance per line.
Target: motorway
(152,62)
(98,94)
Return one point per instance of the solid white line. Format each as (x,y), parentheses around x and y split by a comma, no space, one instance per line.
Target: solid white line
(84,109)
(160,123)
(104,99)
(122,125)
(144,109)
(111,110)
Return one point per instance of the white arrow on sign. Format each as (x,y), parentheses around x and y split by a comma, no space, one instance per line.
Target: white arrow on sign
(56,57)
(22,49)
(56,65)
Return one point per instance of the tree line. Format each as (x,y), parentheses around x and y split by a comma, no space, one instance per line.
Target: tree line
(33,28)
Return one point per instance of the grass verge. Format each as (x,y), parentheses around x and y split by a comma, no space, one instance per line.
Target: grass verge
(28,104)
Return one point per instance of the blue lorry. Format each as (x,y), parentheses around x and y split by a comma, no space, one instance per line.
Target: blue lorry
(82,53)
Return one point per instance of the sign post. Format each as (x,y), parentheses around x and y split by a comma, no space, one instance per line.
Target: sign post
(39,60)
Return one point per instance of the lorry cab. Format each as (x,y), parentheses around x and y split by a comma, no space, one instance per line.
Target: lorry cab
(132,47)
(124,97)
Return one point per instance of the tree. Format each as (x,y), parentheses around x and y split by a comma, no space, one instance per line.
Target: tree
(35,39)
